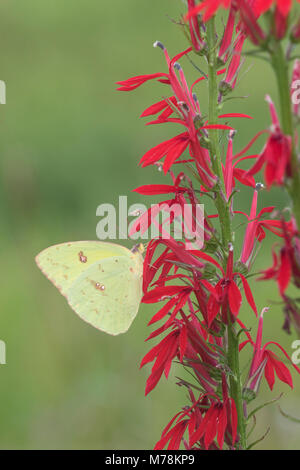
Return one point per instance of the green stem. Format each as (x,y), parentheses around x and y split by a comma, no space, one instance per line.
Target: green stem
(281,68)
(235,381)
(225,221)
(222,206)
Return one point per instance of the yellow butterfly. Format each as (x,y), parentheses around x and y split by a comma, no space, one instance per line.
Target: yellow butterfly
(101,281)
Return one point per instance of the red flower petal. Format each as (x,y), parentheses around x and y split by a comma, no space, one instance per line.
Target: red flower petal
(153,189)
(163,311)
(155,108)
(235,298)
(281,370)
(269,374)
(285,272)
(135,82)
(248,293)
(235,115)
(161,293)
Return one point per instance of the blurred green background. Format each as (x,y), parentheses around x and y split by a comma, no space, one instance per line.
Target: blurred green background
(70,142)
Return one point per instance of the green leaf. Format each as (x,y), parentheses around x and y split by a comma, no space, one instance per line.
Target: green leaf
(290,418)
(264,405)
(259,440)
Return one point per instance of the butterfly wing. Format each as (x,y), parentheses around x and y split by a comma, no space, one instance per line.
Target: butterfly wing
(62,264)
(107,295)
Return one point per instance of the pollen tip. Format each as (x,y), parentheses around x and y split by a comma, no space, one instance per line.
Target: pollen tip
(195,97)
(159,44)
(230,246)
(232,134)
(264,310)
(268,99)
(259,186)
(177,66)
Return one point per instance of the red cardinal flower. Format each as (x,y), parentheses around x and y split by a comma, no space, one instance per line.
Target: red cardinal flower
(209,8)
(193,224)
(186,344)
(227,36)
(256,228)
(185,105)
(280,271)
(188,341)
(208,423)
(232,172)
(187,420)
(283,6)
(173,436)
(226,294)
(282,10)
(276,156)
(135,82)
(286,266)
(228,84)
(174,255)
(196,289)
(265,361)
(163,354)
(195,28)
(220,416)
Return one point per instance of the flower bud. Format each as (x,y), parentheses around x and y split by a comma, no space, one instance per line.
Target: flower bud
(248,395)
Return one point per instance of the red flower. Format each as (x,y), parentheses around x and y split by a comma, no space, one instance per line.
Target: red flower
(280,271)
(173,256)
(188,419)
(188,341)
(185,342)
(282,10)
(234,67)
(163,354)
(220,416)
(195,28)
(227,37)
(171,149)
(174,435)
(186,106)
(226,294)
(209,7)
(265,361)
(248,14)
(276,156)
(232,173)
(135,82)
(283,6)
(208,418)
(286,266)
(256,228)
(199,295)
